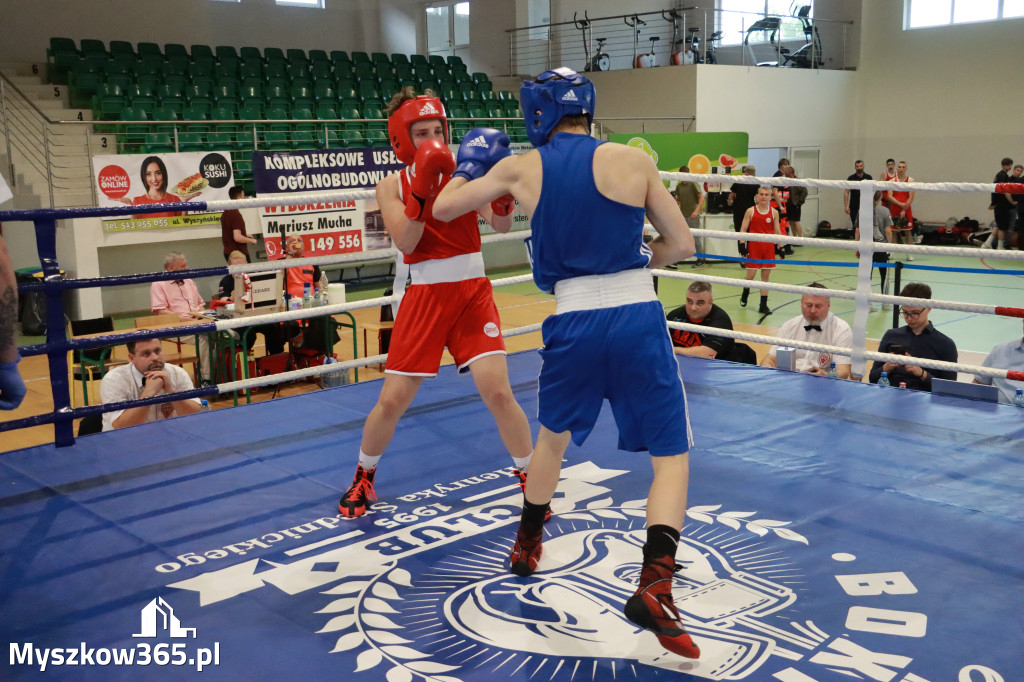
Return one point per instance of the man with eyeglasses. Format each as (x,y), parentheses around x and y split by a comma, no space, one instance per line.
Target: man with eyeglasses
(918,339)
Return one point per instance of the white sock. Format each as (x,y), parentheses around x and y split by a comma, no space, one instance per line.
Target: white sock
(368,463)
(523,463)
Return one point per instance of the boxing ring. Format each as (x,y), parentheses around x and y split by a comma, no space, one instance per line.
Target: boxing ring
(836,530)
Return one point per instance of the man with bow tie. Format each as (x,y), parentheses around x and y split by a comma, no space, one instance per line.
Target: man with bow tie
(815,324)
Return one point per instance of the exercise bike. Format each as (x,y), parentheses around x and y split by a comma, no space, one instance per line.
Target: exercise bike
(600,61)
(682,51)
(713,40)
(641,61)
(809,55)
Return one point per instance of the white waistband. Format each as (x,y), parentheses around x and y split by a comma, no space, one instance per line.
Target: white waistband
(592,292)
(454,269)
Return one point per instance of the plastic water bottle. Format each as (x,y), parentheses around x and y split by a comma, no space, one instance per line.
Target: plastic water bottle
(323,288)
(307,299)
(204,406)
(832,373)
(1018,398)
(884,379)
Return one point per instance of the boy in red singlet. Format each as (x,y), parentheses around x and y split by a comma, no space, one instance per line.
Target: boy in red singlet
(760,218)
(449,303)
(899,207)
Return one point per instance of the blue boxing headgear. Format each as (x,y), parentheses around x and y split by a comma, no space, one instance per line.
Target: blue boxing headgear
(555,94)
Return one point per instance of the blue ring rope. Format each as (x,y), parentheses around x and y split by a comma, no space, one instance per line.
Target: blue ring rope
(102,211)
(68,415)
(116,339)
(120,280)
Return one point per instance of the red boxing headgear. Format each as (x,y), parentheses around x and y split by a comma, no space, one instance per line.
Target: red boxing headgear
(411,111)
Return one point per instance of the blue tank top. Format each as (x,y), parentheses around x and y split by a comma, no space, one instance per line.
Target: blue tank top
(577,230)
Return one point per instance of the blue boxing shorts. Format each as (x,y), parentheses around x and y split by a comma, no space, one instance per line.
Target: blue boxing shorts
(624,354)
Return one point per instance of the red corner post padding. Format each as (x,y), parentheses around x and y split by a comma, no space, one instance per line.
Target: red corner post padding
(1007,311)
(1009,188)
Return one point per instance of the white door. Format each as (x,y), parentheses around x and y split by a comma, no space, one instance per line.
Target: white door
(805,161)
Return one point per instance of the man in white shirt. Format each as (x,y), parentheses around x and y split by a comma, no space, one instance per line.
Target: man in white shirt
(815,324)
(145,376)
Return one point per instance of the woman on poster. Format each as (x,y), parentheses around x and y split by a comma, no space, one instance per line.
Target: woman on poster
(154,179)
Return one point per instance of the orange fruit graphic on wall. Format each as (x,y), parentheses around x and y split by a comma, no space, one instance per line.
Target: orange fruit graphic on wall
(699,163)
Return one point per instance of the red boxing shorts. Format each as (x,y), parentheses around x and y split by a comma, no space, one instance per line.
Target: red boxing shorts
(760,251)
(458,315)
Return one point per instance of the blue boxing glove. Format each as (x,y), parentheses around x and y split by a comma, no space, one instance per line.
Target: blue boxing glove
(481,148)
(12,388)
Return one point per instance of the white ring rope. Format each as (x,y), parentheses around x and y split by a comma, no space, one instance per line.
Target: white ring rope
(866,185)
(835,293)
(836,350)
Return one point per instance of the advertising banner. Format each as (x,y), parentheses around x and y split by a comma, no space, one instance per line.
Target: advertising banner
(143,179)
(330,227)
(719,153)
(333,227)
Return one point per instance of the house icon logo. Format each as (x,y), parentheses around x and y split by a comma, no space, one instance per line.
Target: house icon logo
(158,616)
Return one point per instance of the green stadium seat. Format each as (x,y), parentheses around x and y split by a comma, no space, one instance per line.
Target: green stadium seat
(274,54)
(151,49)
(377,137)
(165,116)
(512,109)
(304,121)
(346,89)
(296,56)
(364,71)
(191,142)
(318,56)
(226,51)
(201,69)
(248,52)
(340,57)
(436,60)
(157,143)
(225,72)
(251,110)
(144,102)
(222,142)
(323,91)
(108,102)
(121,80)
(505,96)
(173,102)
(398,58)
(441,71)
(224,112)
(130,137)
(488,96)
(276,141)
(82,85)
(298,72)
(225,89)
(374,112)
(252,89)
(454,59)
(202,52)
(198,110)
(358,57)
(429,85)
(121,47)
(275,69)
(404,71)
(352,138)
(149,65)
(457,110)
(91,46)
(175,66)
(415,59)
(59,63)
(199,87)
(368,90)
(175,50)
(349,111)
(250,68)
(278,114)
(318,70)
(63,45)
(389,87)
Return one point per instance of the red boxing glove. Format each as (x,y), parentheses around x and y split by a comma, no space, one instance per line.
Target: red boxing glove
(504,205)
(432,164)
